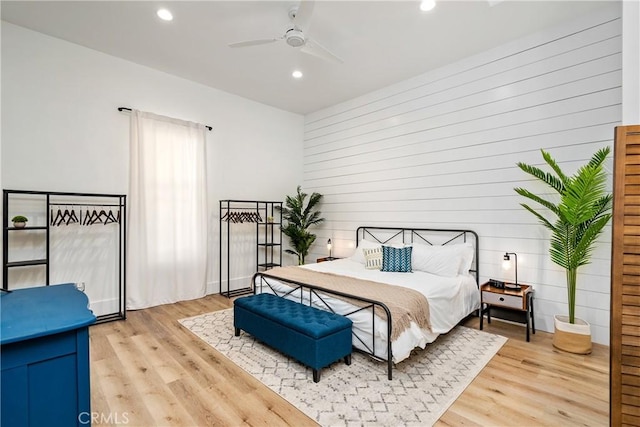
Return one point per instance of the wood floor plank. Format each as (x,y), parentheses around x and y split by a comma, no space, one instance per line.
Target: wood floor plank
(122,399)
(241,398)
(166,367)
(150,361)
(162,405)
(205,409)
(101,349)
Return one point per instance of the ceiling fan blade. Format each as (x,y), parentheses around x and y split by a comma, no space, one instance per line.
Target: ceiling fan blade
(314,48)
(253,43)
(303,14)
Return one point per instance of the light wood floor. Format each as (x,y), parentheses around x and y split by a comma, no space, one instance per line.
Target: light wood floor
(150,371)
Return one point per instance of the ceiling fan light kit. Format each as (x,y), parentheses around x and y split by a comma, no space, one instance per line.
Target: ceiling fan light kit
(295,38)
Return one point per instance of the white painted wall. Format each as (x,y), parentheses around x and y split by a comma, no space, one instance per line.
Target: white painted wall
(631,62)
(440,150)
(61,130)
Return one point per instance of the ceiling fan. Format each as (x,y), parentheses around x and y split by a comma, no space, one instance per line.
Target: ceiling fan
(294,35)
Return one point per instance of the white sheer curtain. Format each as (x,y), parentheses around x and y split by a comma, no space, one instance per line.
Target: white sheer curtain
(167,227)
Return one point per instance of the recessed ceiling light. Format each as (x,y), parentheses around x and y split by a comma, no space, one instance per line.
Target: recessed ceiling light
(427,5)
(297,74)
(164,14)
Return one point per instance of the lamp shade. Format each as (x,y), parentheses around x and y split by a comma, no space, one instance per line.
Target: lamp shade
(507,257)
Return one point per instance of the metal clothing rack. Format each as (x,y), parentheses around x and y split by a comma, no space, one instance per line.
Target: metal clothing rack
(50,199)
(267,217)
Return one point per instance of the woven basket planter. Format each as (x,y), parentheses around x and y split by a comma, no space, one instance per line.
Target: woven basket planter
(572,337)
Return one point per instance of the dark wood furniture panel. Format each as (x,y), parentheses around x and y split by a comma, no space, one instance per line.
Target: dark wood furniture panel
(625,280)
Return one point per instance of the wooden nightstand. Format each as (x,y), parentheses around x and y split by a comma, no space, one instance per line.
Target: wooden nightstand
(327,258)
(513,305)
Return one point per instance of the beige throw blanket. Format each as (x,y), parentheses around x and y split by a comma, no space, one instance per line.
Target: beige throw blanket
(405,304)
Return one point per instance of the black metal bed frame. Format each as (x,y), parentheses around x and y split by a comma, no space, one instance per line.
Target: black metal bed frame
(383,235)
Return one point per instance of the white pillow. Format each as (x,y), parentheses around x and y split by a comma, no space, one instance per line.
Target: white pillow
(466,250)
(448,260)
(358,255)
(373,258)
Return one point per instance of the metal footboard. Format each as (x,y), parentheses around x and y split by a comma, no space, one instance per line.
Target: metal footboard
(262,280)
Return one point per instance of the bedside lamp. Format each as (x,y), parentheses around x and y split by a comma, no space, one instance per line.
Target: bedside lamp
(329,247)
(507,257)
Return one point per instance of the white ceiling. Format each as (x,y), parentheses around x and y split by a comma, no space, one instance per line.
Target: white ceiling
(381,42)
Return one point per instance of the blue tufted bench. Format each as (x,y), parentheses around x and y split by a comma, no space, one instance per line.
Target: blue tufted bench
(314,337)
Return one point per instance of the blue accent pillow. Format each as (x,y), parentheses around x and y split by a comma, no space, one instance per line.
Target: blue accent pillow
(396,259)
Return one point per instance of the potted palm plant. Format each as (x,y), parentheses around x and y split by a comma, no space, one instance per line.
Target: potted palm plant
(579,216)
(300,215)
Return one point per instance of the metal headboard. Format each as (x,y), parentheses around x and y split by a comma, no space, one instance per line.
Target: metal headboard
(429,236)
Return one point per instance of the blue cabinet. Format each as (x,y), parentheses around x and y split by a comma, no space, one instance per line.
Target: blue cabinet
(44,357)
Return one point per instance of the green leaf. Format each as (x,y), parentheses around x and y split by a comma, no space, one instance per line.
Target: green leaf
(581,214)
(300,215)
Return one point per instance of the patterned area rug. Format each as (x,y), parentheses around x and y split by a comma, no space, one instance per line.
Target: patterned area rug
(423,386)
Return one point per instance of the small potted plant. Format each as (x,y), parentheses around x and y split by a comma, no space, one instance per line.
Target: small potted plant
(19,221)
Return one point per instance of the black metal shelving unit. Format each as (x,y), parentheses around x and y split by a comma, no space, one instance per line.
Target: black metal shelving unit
(268,221)
(54,198)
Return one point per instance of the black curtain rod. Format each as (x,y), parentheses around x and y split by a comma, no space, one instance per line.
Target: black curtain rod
(129,109)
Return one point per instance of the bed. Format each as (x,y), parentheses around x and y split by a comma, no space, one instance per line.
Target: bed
(444,273)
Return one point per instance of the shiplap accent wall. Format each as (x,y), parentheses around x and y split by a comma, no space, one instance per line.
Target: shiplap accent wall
(440,150)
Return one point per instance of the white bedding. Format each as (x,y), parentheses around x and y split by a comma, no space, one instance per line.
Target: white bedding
(450,300)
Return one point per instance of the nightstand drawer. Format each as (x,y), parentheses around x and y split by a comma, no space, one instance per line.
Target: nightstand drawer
(512,301)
